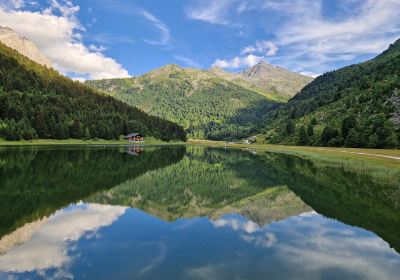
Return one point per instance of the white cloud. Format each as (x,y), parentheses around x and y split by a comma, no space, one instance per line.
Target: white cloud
(211,11)
(249,56)
(56,32)
(48,245)
(164,30)
(313,39)
(309,245)
(351,250)
(126,8)
(310,38)
(94,48)
(152,264)
(262,47)
(266,240)
(238,62)
(236,224)
(309,74)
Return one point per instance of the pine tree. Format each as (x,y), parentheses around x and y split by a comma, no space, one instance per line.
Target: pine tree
(61,131)
(76,130)
(290,127)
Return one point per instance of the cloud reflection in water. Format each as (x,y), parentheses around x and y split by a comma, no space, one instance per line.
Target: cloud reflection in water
(50,244)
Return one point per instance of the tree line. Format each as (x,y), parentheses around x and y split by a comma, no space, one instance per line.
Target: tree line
(37,102)
(356,106)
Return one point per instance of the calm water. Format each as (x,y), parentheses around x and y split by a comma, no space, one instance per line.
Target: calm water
(194,213)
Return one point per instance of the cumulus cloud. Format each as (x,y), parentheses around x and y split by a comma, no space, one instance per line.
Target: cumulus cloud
(57,33)
(249,56)
(311,38)
(239,61)
(309,245)
(330,246)
(262,47)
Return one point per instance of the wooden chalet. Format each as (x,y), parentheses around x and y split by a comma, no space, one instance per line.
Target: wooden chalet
(134,137)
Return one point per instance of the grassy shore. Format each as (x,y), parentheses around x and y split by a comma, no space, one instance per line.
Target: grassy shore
(387,157)
(46,142)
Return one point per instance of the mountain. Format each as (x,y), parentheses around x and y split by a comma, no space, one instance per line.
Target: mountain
(206,105)
(356,106)
(38,102)
(23,45)
(264,77)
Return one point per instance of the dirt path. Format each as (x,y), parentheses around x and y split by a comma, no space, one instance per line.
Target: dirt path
(359,153)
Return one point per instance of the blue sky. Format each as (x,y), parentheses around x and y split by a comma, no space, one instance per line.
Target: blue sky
(105,39)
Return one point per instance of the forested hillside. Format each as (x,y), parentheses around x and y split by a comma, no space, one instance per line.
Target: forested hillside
(37,102)
(207,106)
(356,106)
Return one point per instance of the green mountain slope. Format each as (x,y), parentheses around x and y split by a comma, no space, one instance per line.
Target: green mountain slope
(37,102)
(206,105)
(356,106)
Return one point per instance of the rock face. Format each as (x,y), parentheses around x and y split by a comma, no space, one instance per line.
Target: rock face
(267,77)
(23,45)
(272,77)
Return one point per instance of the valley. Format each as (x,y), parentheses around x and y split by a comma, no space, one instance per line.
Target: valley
(210,104)
(200,139)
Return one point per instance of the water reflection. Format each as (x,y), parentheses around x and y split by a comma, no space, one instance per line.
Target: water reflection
(52,239)
(35,182)
(129,244)
(204,214)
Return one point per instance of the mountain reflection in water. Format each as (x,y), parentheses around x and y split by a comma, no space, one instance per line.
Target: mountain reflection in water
(194,213)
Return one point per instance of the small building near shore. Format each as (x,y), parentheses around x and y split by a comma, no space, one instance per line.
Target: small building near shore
(250,140)
(134,137)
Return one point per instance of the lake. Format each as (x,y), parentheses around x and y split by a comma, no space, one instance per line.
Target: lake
(187,212)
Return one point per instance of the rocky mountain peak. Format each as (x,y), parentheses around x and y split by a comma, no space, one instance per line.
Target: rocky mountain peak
(275,78)
(22,45)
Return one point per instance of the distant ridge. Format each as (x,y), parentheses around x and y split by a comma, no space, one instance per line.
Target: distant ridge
(267,77)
